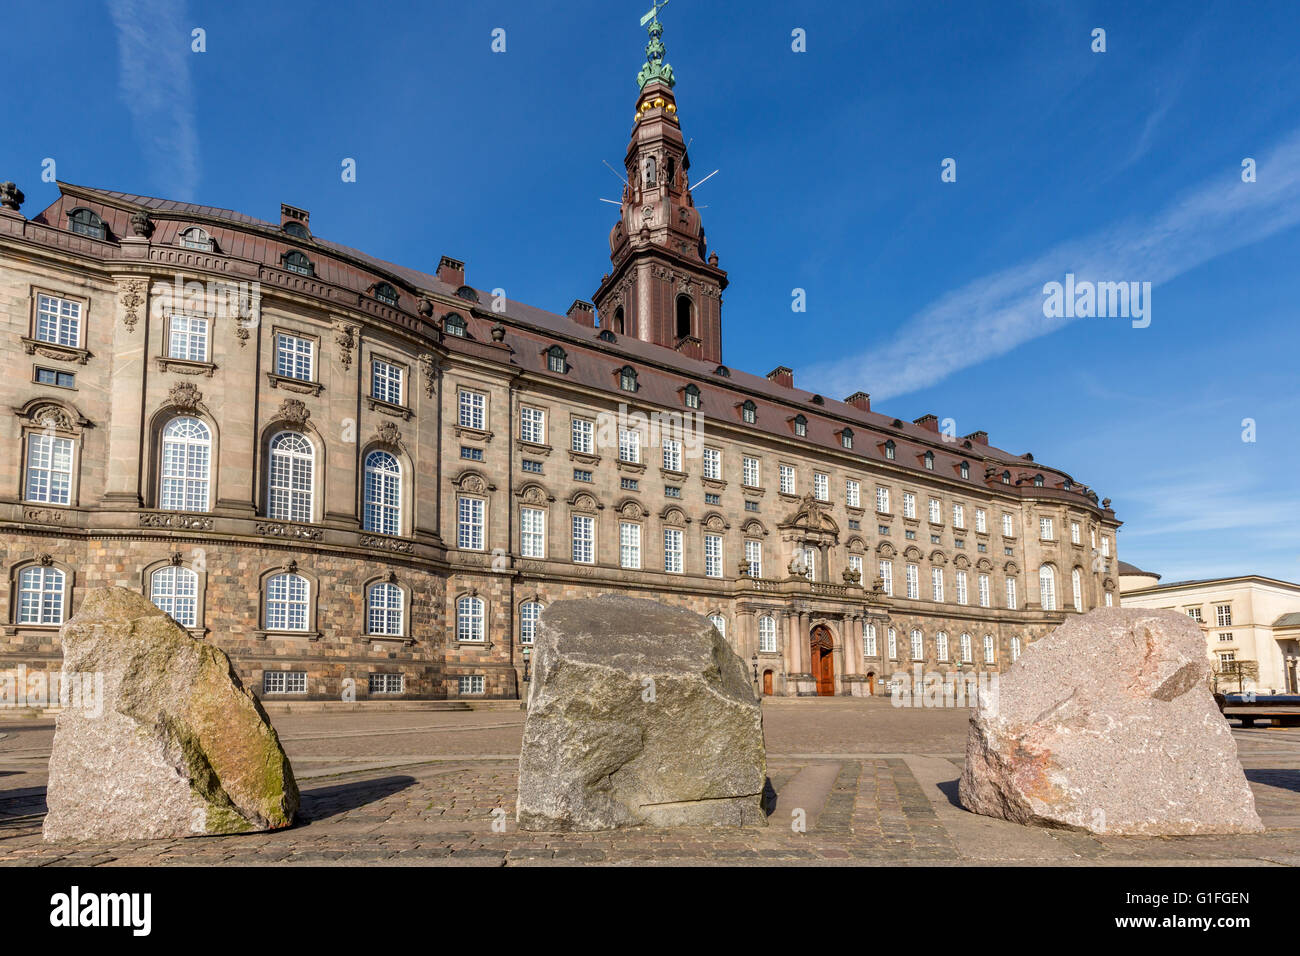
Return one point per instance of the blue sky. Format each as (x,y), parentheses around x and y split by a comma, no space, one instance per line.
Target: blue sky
(1119,166)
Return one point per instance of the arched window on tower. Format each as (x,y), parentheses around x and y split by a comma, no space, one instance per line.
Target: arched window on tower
(619,320)
(651,178)
(685,310)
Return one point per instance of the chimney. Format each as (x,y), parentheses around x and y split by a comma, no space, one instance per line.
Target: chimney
(928,422)
(781,376)
(979,438)
(859,400)
(451,271)
(584,313)
(290,214)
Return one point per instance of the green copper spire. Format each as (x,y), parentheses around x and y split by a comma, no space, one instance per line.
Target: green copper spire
(655,68)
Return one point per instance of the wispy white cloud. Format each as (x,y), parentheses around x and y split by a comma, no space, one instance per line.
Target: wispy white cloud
(991,315)
(153,50)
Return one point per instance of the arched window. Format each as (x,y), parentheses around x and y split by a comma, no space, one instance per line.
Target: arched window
(41,596)
(619,321)
(174,590)
(929,461)
(801,426)
(453,324)
(685,311)
(650,175)
(383,504)
(1047,587)
(1076,585)
(297,230)
(1006,477)
(557,360)
(290,493)
(386,293)
(469,619)
(767,634)
(846,438)
(723,371)
(918,649)
(606,336)
(288,602)
(941,645)
(529,612)
(295,261)
(196,238)
(964,642)
(749,412)
(385,610)
(186,466)
(627,378)
(720,622)
(86,223)
(988,649)
(691,395)
(965,469)
(891,450)
(1038,481)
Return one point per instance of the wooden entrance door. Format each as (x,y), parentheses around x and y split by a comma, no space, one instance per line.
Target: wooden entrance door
(767,683)
(823,661)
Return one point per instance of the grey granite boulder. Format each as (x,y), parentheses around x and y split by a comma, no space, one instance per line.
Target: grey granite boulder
(1108,725)
(638,713)
(175,747)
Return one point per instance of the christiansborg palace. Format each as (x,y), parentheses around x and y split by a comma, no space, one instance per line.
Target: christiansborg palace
(351,474)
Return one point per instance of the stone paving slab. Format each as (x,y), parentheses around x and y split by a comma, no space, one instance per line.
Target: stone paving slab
(405,789)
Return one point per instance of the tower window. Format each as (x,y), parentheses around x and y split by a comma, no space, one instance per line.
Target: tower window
(684,309)
(618,321)
(651,178)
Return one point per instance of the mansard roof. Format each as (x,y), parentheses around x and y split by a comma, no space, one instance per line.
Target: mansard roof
(528,331)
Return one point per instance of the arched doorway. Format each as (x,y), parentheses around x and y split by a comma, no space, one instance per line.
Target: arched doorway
(767,683)
(871,683)
(823,661)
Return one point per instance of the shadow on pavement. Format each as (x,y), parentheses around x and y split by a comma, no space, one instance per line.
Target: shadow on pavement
(1282,779)
(322,802)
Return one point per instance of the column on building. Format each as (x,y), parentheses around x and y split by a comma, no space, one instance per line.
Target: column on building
(131,323)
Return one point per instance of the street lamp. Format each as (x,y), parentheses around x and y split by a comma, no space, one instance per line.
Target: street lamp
(527,653)
(754,660)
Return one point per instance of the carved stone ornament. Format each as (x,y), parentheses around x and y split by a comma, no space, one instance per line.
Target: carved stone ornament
(185,396)
(425,307)
(46,561)
(389,434)
(430,371)
(52,416)
(141,225)
(177,559)
(132,298)
(294,412)
(11,197)
(346,339)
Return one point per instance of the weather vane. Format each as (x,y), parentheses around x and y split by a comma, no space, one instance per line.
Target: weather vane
(653,14)
(655,68)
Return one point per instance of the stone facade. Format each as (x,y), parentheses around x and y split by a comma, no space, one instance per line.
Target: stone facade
(299,363)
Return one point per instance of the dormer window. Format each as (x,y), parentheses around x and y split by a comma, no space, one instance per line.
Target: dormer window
(691,395)
(929,461)
(297,230)
(846,438)
(627,378)
(749,412)
(723,371)
(468,294)
(1006,477)
(801,426)
(1038,481)
(196,238)
(965,469)
(386,294)
(891,450)
(297,262)
(86,223)
(818,400)
(1068,485)
(557,360)
(606,336)
(453,324)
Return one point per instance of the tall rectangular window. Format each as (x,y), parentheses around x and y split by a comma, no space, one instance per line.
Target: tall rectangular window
(852,494)
(713,555)
(712,464)
(532,425)
(1011,593)
(984,590)
(629,545)
(469,523)
(961,587)
(473,408)
(909,505)
(913,582)
(1008,529)
(672,454)
(294,357)
(1222,614)
(869,640)
(981,521)
(750,472)
(1105,547)
(958,516)
(673,550)
(887,577)
(58,321)
(629,446)
(936,511)
(386,382)
(1045,528)
(882,501)
(787,479)
(188,338)
(1075,537)
(582,432)
(936,583)
(49,469)
(855,564)
(754,555)
(532,533)
(584,539)
(821,487)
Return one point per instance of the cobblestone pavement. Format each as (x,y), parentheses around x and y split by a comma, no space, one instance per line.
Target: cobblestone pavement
(871,783)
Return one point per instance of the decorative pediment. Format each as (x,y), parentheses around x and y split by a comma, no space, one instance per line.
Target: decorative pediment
(674,517)
(938,557)
(631,509)
(1010,568)
(43,413)
(855,543)
(961,561)
(534,494)
(984,564)
(584,502)
(913,552)
(811,515)
(471,482)
(715,522)
(753,528)
(886,550)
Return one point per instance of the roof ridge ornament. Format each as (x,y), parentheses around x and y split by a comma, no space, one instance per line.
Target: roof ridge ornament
(655,67)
